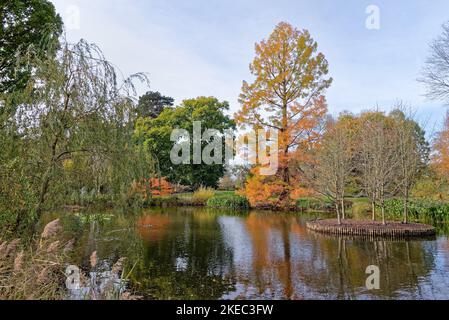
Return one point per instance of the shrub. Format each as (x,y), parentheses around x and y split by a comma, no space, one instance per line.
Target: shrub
(232,202)
(419,209)
(202,195)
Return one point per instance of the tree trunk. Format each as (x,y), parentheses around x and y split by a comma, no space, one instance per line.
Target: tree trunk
(284,144)
(406,207)
(373,210)
(338,211)
(43,191)
(343,211)
(46,182)
(382,203)
(284,198)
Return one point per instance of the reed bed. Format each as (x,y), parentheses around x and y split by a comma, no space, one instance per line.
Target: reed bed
(37,272)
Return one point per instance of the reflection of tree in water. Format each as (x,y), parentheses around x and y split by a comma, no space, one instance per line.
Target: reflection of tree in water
(191,253)
(290,263)
(344,262)
(272,261)
(109,233)
(189,259)
(114,239)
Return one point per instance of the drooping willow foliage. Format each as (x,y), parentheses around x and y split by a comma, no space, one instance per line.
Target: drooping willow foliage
(67,137)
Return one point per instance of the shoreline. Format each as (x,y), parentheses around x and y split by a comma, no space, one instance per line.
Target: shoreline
(365,228)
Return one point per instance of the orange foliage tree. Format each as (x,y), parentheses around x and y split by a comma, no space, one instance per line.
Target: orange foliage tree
(286,95)
(153,187)
(440,158)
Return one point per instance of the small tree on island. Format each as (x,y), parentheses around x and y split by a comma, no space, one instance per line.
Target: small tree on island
(379,157)
(334,163)
(412,153)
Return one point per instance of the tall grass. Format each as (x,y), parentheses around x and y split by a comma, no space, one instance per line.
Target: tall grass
(34,273)
(37,272)
(202,195)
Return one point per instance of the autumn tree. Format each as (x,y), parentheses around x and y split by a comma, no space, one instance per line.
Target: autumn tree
(227,182)
(412,152)
(240,172)
(334,163)
(377,158)
(366,167)
(287,94)
(152,187)
(436,78)
(440,158)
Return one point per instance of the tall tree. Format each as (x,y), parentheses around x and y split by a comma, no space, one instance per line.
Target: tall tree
(287,93)
(155,136)
(27,26)
(80,113)
(436,70)
(334,163)
(412,152)
(436,78)
(377,157)
(151,104)
(440,157)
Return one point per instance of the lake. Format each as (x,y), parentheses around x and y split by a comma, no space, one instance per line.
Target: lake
(199,253)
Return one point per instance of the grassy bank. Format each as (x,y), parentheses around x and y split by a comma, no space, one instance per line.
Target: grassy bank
(419,209)
(194,199)
(359,208)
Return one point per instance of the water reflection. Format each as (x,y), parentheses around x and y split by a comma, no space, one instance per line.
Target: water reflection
(185,256)
(194,253)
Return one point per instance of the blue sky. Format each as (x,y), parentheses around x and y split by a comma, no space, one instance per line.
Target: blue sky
(194,48)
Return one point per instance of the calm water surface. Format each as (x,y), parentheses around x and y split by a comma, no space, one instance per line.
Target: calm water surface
(197,253)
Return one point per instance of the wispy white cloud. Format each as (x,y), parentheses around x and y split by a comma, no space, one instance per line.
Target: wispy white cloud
(193,48)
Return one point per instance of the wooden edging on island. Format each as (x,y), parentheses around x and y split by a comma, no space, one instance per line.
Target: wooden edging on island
(371,229)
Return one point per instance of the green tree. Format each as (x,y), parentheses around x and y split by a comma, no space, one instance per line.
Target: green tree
(155,134)
(29,27)
(80,118)
(151,104)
